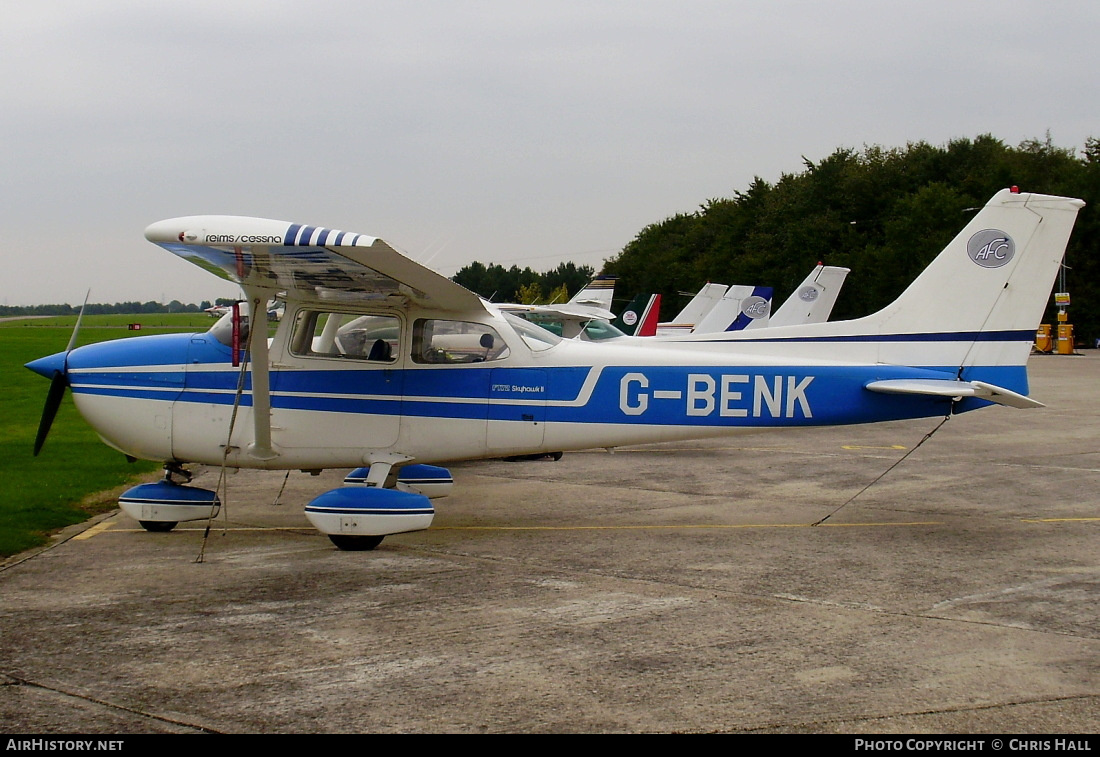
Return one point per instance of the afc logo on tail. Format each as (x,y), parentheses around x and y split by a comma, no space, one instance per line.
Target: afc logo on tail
(991,248)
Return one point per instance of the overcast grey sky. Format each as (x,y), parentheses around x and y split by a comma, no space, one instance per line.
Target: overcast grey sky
(506,132)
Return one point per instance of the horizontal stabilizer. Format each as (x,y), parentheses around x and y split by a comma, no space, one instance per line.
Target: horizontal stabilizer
(948,388)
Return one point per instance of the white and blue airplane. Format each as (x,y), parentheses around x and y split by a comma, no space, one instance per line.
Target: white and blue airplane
(384,365)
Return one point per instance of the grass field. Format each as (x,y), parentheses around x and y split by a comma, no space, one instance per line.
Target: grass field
(39,495)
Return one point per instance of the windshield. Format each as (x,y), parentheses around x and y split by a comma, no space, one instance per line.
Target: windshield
(222,330)
(597,330)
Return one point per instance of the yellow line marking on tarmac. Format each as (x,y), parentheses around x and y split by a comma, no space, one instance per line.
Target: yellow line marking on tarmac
(96,529)
(1048,467)
(185,529)
(102,527)
(697,526)
(717,448)
(1060,520)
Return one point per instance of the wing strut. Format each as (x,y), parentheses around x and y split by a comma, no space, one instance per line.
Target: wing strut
(261,379)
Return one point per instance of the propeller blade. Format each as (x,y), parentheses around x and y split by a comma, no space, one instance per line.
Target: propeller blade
(58,384)
(76,328)
(53,401)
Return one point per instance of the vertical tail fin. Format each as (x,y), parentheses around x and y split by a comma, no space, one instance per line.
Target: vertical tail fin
(974,310)
(743,307)
(813,300)
(597,293)
(695,310)
(995,275)
(639,317)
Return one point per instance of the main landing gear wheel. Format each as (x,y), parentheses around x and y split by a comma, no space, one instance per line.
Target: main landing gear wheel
(157,526)
(350,543)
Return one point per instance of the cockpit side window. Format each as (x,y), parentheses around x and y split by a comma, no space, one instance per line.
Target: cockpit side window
(375,338)
(449,342)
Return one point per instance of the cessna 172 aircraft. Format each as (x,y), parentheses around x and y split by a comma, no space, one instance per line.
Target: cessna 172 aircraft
(380,362)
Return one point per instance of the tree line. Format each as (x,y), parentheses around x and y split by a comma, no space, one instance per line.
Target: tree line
(120,308)
(883,213)
(499,284)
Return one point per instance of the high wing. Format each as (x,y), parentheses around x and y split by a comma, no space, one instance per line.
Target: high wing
(314,262)
(567,310)
(304,263)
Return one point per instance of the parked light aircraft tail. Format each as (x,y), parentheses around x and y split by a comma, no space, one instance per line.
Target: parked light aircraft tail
(693,312)
(741,307)
(720,308)
(813,300)
(598,293)
(381,362)
(639,317)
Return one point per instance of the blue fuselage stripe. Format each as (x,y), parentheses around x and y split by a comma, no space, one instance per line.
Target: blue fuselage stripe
(657,395)
(955,336)
(194,368)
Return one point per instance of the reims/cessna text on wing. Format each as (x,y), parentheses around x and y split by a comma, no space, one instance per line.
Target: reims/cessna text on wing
(381,362)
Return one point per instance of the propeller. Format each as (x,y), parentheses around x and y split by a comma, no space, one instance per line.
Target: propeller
(58,383)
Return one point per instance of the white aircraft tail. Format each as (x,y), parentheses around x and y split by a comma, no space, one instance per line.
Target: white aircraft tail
(973,312)
(597,293)
(970,317)
(813,300)
(994,277)
(742,307)
(701,304)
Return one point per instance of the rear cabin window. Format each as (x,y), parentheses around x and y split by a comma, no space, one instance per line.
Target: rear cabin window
(450,342)
(376,338)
